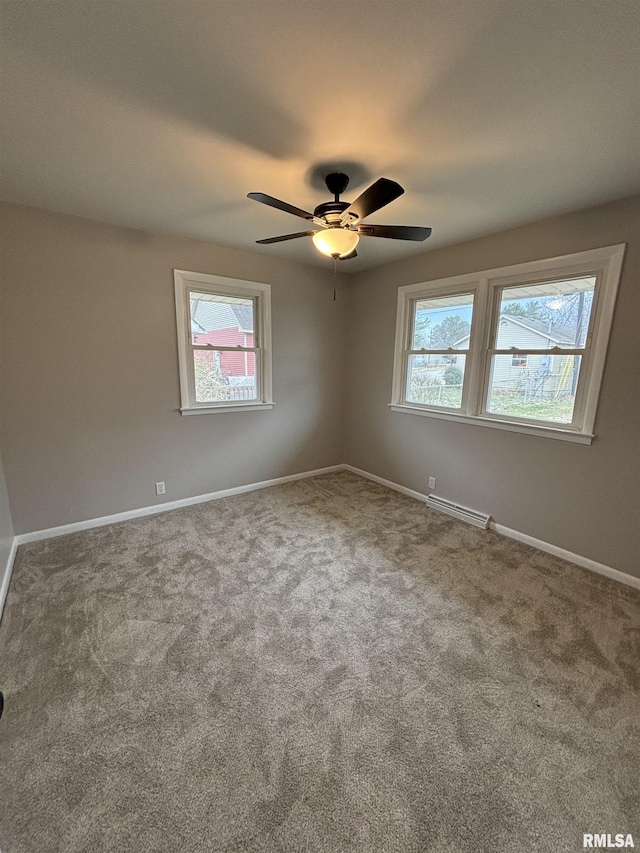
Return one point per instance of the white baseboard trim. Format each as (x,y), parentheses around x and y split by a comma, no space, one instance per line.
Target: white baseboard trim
(395,486)
(577,559)
(63,530)
(584,562)
(6,576)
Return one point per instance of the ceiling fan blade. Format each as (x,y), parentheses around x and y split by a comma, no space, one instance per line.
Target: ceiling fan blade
(280,205)
(379,193)
(286,237)
(353,254)
(394,232)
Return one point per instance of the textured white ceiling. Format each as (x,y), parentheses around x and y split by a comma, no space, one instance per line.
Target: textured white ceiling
(164,115)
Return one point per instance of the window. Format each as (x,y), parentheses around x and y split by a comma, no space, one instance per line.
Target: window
(439,325)
(224,334)
(519,348)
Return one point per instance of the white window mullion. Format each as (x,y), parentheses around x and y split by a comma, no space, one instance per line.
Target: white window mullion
(189,392)
(217,348)
(579,413)
(470,401)
(448,351)
(531,351)
(492,321)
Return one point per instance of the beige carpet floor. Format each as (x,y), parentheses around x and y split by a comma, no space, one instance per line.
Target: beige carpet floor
(325,665)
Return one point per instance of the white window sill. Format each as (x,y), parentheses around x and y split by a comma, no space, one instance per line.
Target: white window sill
(233,407)
(528,429)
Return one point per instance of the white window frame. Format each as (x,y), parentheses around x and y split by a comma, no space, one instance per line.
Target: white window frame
(187,282)
(604,263)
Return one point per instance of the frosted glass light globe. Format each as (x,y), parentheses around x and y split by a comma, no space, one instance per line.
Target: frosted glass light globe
(336,242)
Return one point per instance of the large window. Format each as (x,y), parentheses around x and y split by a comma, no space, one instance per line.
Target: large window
(223,343)
(519,348)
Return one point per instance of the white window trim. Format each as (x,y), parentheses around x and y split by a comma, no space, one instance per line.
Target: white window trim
(604,262)
(184,283)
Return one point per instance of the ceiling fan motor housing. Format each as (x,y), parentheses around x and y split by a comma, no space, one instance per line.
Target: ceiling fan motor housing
(331,211)
(337,182)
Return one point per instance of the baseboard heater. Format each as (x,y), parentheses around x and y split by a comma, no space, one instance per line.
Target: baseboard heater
(472,516)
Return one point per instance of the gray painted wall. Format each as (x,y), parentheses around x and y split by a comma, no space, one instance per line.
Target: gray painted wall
(90,391)
(582,498)
(90,386)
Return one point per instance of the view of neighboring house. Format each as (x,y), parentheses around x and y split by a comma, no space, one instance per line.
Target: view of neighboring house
(544,376)
(226,324)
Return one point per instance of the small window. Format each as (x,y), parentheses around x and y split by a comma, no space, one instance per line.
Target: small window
(519,348)
(436,362)
(223,343)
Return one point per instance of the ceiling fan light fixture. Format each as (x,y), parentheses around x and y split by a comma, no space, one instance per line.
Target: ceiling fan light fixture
(339,221)
(335,242)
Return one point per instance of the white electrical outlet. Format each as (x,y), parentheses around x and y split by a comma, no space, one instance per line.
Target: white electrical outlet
(432,482)
(159,488)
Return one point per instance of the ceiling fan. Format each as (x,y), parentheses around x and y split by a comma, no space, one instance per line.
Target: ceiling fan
(340,223)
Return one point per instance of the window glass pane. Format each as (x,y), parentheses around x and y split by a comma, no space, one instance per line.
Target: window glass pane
(436,384)
(221,320)
(442,322)
(542,389)
(224,376)
(546,315)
